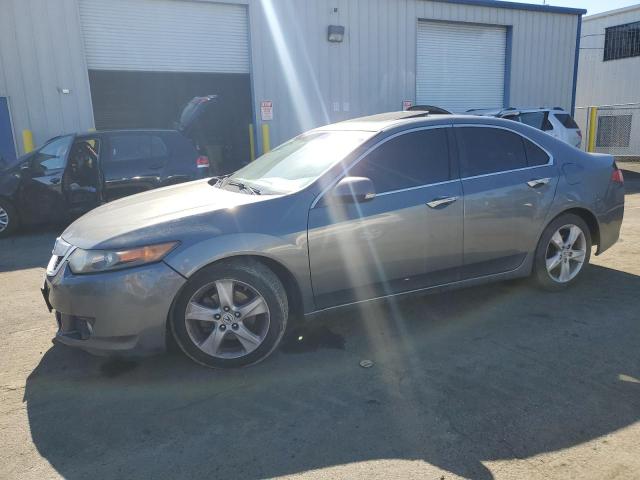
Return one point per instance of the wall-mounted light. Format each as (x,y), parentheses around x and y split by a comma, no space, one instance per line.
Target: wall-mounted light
(64,91)
(336,33)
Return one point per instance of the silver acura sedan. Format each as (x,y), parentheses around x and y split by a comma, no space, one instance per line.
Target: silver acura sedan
(365,209)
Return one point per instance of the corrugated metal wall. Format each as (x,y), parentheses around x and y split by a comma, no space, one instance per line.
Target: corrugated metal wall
(313,82)
(611,82)
(310,81)
(40,53)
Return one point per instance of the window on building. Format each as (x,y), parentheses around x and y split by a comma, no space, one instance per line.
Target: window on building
(409,160)
(614,131)
(489,150)
(622,41)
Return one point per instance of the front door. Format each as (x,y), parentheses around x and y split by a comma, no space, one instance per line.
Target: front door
(40,196)
(408,237)
(509,184)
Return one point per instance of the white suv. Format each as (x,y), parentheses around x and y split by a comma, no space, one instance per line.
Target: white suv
(555,121)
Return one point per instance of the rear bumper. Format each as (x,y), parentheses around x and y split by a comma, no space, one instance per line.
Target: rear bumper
(122,312)
(610,222)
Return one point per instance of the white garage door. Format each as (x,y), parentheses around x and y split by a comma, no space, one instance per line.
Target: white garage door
(460,66)
(165,35)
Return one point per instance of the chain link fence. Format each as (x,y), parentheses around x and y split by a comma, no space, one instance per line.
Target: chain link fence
(616,130)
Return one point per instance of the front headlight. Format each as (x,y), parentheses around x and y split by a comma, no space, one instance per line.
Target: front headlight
(93,261)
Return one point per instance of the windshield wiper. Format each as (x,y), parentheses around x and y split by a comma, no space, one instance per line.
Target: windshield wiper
(245,187)
(213,181)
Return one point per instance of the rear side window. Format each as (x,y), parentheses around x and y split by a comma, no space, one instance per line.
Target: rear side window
(566,120)
(486,150)
(136,146)
(409,160)
(535,155)
(539,120)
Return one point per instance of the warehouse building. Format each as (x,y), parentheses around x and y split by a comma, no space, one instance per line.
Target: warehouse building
(281,66)
(608,80)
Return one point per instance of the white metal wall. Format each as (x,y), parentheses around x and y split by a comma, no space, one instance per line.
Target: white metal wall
(165,35)
(460,65)
(611,82)
(41,53)
(310,81)
(313,82)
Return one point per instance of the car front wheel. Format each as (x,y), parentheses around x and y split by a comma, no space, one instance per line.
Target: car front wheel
(563,252)
(8,218)
(230,314)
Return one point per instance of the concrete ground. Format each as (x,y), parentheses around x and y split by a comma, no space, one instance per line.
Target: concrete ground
(501,381)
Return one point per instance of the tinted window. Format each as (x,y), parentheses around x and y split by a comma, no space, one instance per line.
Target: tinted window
(535,155)
(539,120)
(566,120)
(136,146)
(489,150)
(409,160)
(52,156)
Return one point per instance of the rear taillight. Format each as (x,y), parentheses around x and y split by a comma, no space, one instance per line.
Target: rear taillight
(202,161)
(616,176)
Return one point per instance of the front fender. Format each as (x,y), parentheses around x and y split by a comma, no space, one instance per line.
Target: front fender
(290,252)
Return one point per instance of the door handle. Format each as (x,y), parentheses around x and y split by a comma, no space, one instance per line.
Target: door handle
(438,202)
(538,182)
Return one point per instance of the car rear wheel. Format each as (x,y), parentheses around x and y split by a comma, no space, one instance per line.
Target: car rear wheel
(8,218)
(230,314)
(562,253)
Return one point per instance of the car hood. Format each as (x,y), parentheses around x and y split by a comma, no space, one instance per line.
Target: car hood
(155,216)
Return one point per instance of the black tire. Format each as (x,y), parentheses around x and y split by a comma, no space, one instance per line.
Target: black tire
(250,272)
(12,215)
(540,274)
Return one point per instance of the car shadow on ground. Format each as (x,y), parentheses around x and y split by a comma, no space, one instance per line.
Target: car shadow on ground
(497,372)
(28,248)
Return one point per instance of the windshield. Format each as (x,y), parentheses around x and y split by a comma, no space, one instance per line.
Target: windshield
(300,161)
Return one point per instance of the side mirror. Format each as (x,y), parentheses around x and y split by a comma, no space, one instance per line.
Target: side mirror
(354,189)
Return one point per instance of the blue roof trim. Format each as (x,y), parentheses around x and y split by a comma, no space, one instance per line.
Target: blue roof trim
(518,6)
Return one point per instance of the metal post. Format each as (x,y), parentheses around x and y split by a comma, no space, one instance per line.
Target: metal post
(252,143)
(591,139)
(266,141)
(27,141)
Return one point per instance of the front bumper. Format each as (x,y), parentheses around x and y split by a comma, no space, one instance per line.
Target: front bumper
(122,312)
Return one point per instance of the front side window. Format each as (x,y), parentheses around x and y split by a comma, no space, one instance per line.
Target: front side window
(300,161)
(409,160)
(622,41)
(52,156)
(485,150)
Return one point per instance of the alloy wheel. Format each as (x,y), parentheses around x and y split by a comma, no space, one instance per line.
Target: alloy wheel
(227,319)
(4,219)
(566,253)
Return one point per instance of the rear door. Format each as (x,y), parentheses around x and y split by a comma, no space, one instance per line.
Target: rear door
(396,241)
(134,163)
(509,183)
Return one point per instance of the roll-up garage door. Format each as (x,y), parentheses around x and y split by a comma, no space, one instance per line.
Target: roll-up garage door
(460,66)
(165,35)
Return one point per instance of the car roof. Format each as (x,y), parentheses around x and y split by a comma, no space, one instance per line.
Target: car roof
(393,120)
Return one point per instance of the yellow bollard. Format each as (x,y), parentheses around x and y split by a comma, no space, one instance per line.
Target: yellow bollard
(593,118)
(266,141)
(27,141)
(252,143)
